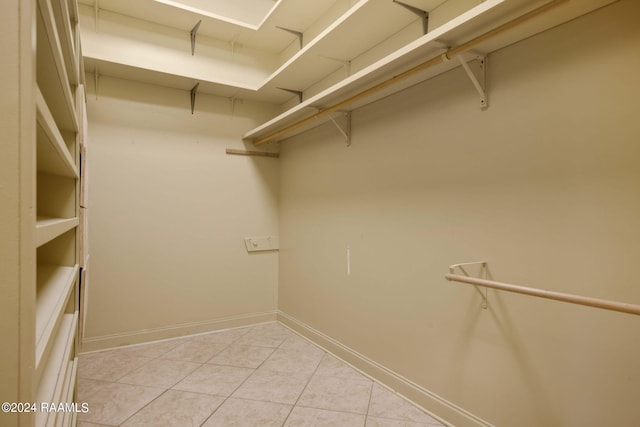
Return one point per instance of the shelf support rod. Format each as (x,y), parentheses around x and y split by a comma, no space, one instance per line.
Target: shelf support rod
(194,30)
(479,85)
(295,92)
(251,153)
(422,14)
(346,132)
(193,96)
(298,34)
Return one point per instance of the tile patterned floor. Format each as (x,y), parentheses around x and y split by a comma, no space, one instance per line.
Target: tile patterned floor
(259,376)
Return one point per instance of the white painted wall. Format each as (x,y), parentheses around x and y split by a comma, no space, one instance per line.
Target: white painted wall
(544,185)
(168,214)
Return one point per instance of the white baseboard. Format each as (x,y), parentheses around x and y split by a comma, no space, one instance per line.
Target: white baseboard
(174,331)
(440,408)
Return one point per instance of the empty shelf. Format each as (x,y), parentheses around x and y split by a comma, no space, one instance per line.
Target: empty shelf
(52,154)
(54,285)
(51,73)
(51,384)
(48,229)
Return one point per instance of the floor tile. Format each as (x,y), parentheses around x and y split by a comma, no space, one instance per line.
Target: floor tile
(302,362)
(176,408)
(273,386)
(262,375)
(337,394)
(248,413)
(194,350)
(311,417)
(214,379)
(268,335)
(113,403)
(333,367)
(243,356)
(386,404)
(153,350)
(222,337)
(160,373)
(297,343)
(87,387)
(108,365)
(384,422)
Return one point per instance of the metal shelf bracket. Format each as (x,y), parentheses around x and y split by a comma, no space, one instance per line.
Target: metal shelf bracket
(298,34)
(193,96)
(346,131)
(295,92)
(194,30)
(479,84)
(422,14)
(484,272)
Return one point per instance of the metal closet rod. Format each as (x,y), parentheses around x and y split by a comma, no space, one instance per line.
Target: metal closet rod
(418,68)
(558,296)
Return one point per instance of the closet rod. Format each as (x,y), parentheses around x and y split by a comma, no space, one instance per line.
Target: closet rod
(541,293)
(449,54)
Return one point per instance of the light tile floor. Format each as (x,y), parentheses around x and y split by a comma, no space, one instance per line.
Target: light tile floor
(261,376)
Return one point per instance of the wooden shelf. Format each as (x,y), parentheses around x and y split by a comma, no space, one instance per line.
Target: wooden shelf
(476,21)
(52,381)
(62,15)
(345,39)
(48,229)
(51,72)
(54,285)
(52,153)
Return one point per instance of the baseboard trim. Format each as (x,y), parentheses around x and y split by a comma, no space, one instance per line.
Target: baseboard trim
(175,331)
(440,408)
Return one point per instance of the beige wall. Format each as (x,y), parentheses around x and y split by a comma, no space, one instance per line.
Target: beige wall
(544,185)
(168,211)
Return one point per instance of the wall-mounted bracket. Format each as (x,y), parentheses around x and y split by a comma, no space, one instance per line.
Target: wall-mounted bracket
(295,92)
(194,30)
(298,34)
(345,64)
(484,272)
(422,14)
(479,84)
(96,80)
(346,131)
(193,96)
(233,100)
(96,10)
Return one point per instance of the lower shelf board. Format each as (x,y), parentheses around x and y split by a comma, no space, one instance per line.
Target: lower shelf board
(54,286)
(51,386)
(48,229)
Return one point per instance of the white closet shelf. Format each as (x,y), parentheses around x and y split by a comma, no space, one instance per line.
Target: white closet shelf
(346,38)
(62,14)
(51,385)
(52,75)
(68,391)
(48,228)
(54,285)
(476,21)
(52,153)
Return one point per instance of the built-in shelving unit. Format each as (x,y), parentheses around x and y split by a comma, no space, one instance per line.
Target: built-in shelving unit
(53,242)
